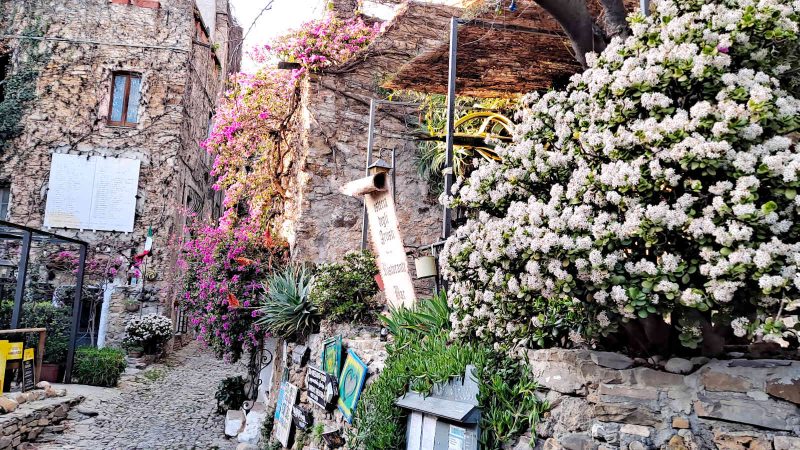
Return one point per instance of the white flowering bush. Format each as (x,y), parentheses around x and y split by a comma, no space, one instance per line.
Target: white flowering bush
(653,199)
(150,332)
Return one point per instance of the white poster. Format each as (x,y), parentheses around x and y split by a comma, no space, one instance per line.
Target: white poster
(456,437)
(392,259)
(93,193)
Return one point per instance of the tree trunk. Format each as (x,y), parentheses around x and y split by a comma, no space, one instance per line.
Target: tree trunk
(578,24)
(615,18)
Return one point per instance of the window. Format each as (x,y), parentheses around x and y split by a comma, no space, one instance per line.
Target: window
(125,92)
(5,196)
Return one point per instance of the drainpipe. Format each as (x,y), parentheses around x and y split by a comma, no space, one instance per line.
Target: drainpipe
(104,312)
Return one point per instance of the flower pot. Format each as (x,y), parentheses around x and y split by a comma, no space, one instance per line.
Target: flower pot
(132,307)
(135,353)
(379,280)
(50,373)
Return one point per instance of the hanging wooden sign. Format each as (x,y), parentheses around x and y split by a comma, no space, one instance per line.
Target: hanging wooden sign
(385,231)
(322,388)
(28,373)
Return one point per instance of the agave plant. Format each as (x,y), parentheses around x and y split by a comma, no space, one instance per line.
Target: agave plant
(288,311)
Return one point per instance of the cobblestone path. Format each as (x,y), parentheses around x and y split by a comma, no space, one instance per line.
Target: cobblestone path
(169,406)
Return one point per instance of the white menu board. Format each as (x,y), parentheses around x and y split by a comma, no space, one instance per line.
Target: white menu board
(93,193)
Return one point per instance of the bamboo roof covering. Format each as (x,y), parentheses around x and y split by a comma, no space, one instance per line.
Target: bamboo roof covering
(499,54)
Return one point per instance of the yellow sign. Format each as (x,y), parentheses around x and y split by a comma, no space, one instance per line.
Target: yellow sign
(14,351)
(28,355)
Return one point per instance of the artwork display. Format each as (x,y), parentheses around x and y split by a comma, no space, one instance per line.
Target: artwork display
(351,382)
(287,397)
(322,388)
(92,193)
(332,356)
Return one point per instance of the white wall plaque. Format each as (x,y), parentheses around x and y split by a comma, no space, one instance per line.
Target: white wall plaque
(92,194)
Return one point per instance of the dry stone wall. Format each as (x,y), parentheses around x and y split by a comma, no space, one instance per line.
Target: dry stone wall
(602,400)
(183,73)
(321,223)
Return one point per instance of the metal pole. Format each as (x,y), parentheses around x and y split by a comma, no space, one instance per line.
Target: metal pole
(394,177)
(451,107)
(22,275)
(76,314)
(370,142)
(645,6)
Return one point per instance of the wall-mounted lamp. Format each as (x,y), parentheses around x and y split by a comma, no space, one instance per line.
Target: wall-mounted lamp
(426,267)
(379,166)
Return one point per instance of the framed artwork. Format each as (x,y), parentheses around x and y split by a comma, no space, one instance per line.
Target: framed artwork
(332,356)
(354,373)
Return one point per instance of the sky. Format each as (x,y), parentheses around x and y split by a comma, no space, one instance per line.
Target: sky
(282,17)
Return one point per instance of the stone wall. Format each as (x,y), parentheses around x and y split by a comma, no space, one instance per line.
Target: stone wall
(183,73)
(29,420)
(363,340)
(323,224)
(602,400)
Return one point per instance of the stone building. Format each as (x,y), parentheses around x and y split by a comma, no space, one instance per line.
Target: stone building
(136,80)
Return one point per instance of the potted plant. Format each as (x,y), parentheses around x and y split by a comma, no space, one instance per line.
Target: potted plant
(135,351)
(132,305)
(150,332)
(57,321)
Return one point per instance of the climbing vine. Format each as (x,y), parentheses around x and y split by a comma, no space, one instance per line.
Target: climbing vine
(19,87)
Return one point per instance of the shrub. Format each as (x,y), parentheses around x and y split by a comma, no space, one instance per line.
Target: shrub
(230,394)
(421,356)
(56,319)
(657,192)
(99,366)
(288,311)
(344,291)
(150,332)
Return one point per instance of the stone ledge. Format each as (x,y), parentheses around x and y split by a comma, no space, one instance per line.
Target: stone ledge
(29,420)
(599,398)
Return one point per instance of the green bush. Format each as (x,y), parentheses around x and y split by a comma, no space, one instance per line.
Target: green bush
(99,366)
(288,311)
(343,291)
(230,394)
(57,320)
(421,356)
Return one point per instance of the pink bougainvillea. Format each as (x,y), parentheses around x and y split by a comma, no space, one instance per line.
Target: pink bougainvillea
(224,263)
(224,269)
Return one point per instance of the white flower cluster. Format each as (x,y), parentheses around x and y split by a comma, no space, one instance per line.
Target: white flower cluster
(149,331)
(663,181)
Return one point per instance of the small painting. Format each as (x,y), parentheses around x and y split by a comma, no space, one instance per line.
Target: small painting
(332,356)
(354,373)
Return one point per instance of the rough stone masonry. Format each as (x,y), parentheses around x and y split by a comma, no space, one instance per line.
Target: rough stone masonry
(75,47)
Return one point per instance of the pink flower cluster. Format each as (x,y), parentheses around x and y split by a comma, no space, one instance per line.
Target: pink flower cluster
(222,274)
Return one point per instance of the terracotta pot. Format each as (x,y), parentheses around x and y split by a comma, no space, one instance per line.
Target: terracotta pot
(135,354)
(50,373)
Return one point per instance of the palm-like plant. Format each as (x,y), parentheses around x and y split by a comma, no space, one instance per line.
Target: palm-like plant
(287,311)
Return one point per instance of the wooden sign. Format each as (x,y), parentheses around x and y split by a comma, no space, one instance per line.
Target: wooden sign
(332,356)
(385,231)
(392,260)
(351,383)
(322,388)
(14,351)
(302,417)
(287,397)
(28,373)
